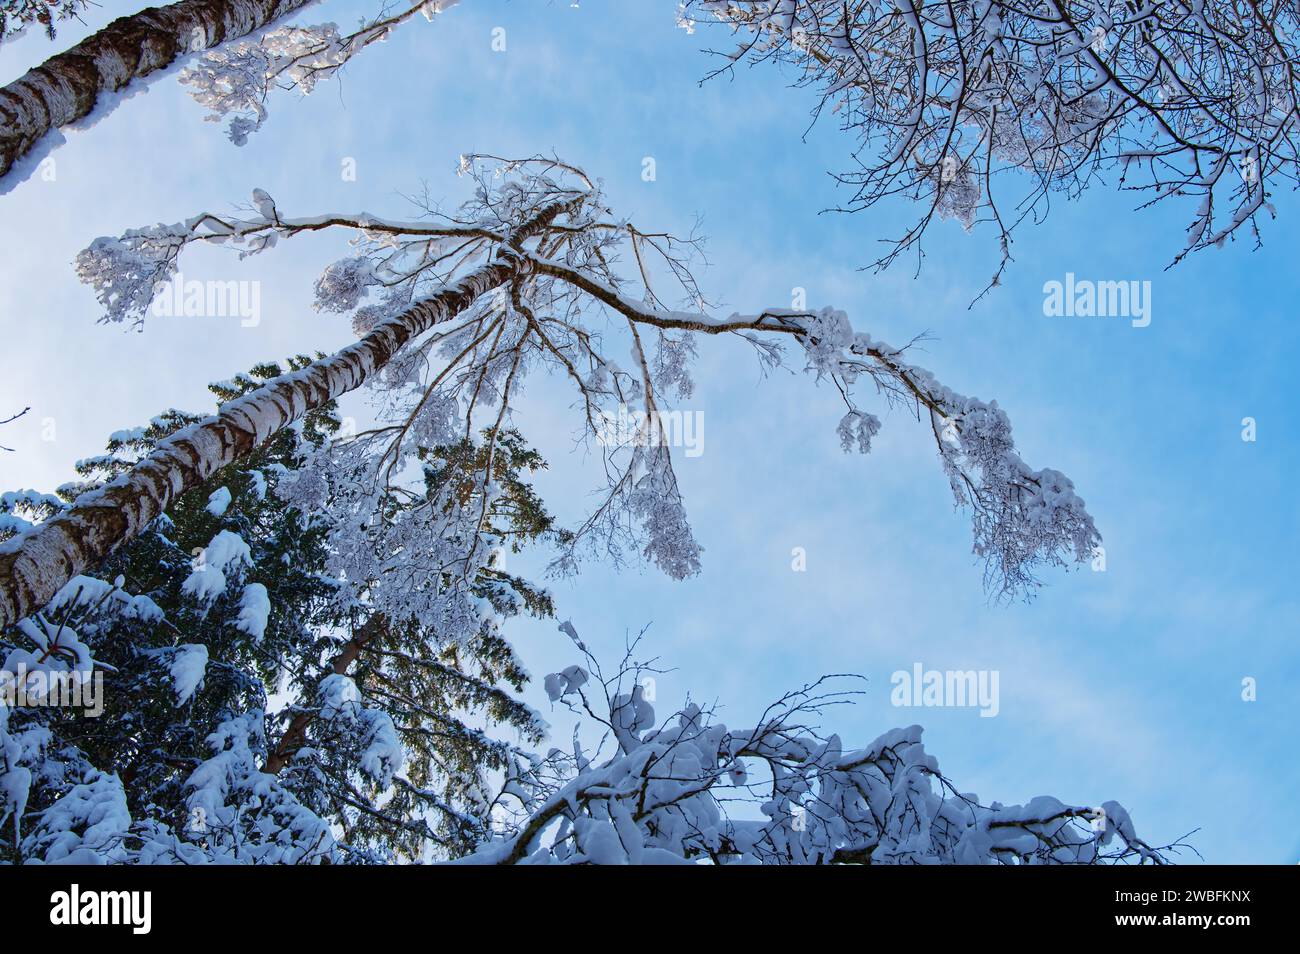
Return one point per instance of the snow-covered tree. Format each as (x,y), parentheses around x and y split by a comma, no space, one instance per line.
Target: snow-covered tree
(395,626)
(228,600)
(689,789)
(1197,100)
(238,61)
(460,308)
(423,561)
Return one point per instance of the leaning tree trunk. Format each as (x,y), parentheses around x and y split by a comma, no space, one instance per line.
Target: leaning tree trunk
(35,564)
(67,87)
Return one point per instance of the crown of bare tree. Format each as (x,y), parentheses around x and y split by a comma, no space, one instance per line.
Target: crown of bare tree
(982,110)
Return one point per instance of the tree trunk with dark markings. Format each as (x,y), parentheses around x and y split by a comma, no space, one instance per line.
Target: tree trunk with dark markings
(36,564)
(67,87)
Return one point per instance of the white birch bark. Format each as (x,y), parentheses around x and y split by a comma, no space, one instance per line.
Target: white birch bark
(68,87)
(35,564)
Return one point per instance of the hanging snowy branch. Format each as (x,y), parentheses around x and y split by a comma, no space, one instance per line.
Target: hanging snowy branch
(236,79)
(1193,99)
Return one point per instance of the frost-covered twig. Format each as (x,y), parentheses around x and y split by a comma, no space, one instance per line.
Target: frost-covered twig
(235,80)
(11,418)
(17,15)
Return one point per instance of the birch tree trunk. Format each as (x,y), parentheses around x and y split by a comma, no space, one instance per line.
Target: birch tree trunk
(67,87)
(35,564)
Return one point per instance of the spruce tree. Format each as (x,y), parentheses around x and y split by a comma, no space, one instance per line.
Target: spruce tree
(250,713)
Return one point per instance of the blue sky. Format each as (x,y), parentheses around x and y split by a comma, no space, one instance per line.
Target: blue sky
(1124,684)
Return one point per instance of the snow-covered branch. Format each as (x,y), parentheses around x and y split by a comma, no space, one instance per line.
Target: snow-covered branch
(34,565)
(235,80)
(17,15)
(691,789)
(528,267)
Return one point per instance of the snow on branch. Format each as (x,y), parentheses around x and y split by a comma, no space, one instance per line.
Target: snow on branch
(550,313)
(691,789)
(17,15)
(35,563)
(631,789)
(235,80)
